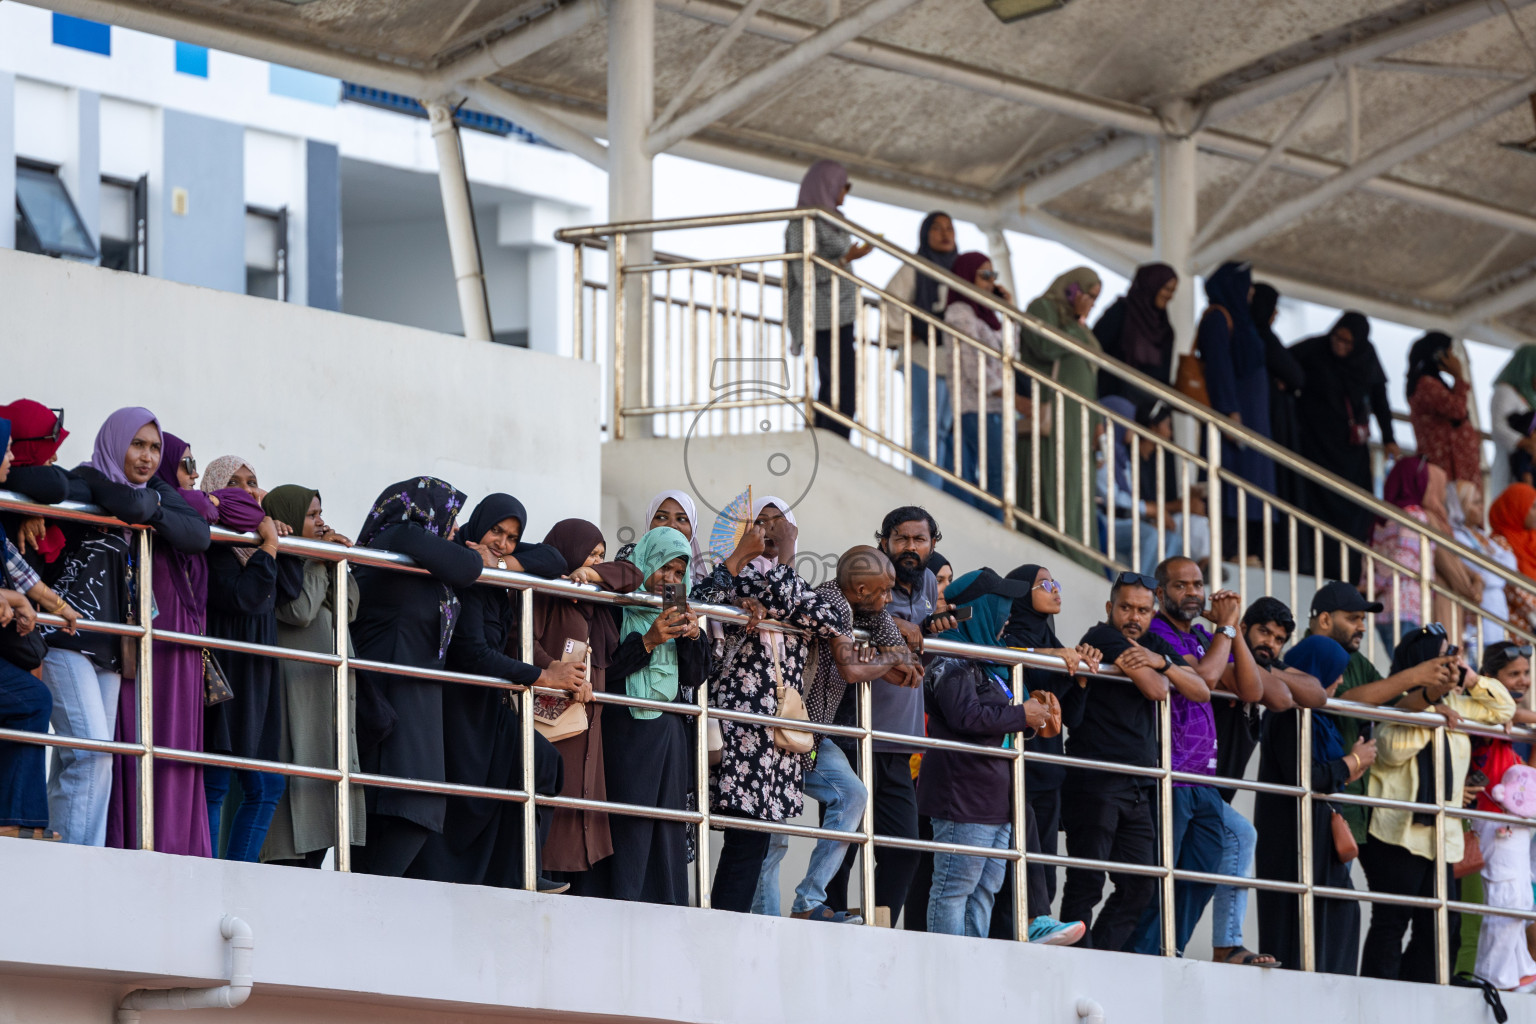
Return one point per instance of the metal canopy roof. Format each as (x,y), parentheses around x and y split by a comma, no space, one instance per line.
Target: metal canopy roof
(1350,148)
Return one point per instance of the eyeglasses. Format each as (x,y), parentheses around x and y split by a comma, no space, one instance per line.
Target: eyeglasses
(1049,586)
(53,435)
(1139,579)
(189,463)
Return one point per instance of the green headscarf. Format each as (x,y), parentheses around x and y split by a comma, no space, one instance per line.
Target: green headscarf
(658,679)
(289,504)
(1520,373)
(990,598)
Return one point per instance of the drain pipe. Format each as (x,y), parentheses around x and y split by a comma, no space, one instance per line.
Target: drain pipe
(242,947)
(1089,1011)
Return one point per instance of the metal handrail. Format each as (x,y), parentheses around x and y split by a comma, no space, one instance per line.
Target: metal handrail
(146,751)
(1230,431)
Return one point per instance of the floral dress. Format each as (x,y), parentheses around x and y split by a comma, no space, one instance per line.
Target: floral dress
(754,778)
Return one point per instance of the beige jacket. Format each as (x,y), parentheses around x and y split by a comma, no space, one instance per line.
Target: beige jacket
(1395,775)
(903,285)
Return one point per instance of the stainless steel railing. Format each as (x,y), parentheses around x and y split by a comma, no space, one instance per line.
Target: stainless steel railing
(147,752)
(697,315)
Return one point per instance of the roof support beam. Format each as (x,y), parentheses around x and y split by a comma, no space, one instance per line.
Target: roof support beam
(1111,156)
(1245,186)
(733,31)
(753,84)
(525,42)
(1443,23)
(1424,67)
(1382,160)
(1128,117)
(538,119)
(1496,305)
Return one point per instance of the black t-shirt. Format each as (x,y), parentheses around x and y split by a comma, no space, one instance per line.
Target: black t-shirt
(1118,723)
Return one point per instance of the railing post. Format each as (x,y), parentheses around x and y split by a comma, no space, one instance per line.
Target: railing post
(1010,435)
(701,784)
(808,317)
(616,310)
(1426,587)
(866,776)
(343,722)
(146,691)
(1020,809)
(530,809)
(1165,820)
(578,285)
(1442,912)
(1304,834)
(1212,504)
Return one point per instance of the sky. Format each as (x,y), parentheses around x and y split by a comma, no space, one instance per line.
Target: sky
(687,188)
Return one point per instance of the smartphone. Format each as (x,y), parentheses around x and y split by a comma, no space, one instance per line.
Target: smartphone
(959,615)
(674,595)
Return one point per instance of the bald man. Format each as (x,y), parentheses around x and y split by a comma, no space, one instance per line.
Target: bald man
(859,594)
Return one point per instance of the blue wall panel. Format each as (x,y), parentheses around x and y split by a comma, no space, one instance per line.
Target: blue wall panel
(303,85)
(192,60)
(322,204)
(92,36)
(206,245)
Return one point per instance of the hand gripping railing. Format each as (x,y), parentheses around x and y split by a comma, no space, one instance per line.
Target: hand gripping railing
(147,752)
(740,311)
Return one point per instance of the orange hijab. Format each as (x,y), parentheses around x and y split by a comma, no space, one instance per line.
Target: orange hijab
(1507,517)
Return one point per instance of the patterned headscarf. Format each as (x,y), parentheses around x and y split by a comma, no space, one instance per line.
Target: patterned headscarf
(114,438)
(433,505)
(216,476)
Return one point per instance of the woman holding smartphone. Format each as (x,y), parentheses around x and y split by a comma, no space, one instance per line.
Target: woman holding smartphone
(1438,392)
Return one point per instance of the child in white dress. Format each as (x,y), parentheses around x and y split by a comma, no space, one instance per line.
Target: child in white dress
(1503,959)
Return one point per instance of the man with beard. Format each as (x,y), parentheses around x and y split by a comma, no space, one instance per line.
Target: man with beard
(1340,611)
(1107,815)
(1223,662)
(907,536)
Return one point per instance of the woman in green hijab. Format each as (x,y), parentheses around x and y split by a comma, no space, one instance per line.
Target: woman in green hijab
(648,755)
(1514,392)
(1064,306)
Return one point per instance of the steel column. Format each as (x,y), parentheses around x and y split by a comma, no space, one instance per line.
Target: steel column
(458,211)
(631,107)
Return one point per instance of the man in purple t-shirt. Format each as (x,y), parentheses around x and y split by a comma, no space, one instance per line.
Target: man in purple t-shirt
(1224,662)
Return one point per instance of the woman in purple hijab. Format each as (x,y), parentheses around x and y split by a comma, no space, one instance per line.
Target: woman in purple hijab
(824,187)
(180,581)
(85,671)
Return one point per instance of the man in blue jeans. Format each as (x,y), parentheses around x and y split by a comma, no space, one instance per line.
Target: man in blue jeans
(861,591)
(1223,662)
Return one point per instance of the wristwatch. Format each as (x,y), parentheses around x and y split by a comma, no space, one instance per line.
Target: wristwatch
(1230,632)
(501,563)
(1168,663)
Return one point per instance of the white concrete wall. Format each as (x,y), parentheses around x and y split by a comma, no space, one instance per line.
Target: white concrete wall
(333,948)
(333,401)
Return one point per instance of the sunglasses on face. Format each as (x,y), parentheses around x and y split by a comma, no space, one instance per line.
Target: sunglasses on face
(1049,586)
(53,435)
(988,275)
(189,464)
(1139,579)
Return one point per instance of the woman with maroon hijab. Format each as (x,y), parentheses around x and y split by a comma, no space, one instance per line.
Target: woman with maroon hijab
(579,839)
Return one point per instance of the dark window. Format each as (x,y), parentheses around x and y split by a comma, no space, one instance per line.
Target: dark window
(125,224)
(266,253)
(46,219)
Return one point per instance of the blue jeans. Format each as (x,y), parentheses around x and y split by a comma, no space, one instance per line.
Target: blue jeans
(1197,842)
(943,421)
(960,902)
(24,704)
(1230,904)
(260,793)
(970,456)
(85,706)
(833,784)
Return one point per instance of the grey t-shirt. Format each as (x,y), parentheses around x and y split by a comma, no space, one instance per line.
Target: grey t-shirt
(900,708)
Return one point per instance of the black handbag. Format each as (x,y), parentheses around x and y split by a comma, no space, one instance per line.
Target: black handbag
(216,688)
(25,652)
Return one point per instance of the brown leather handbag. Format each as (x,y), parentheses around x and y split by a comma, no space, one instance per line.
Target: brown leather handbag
(1344,845)
(1471,856)
(1052,708)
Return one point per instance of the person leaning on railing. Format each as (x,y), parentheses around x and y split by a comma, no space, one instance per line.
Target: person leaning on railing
(825,186)
(304,825)
(36,434)
(1465,512)
(1131,527)
(98,574)
(649,754)
(936,244)
(1335,762)
(1400,858)
(978,369)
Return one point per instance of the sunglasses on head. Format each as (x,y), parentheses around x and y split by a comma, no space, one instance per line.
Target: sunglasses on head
(1501,654)
(1434,629)
(1139,579)
(53,435)
(1049,586)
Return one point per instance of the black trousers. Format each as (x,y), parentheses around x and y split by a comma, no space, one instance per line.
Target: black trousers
(1046,803)
(895,803)
(1108,824)
(1036,899)
(915,918)
(1392,868)
(741,862)
(847,379)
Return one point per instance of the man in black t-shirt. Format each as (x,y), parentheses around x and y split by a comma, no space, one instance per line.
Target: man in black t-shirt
(1108,816)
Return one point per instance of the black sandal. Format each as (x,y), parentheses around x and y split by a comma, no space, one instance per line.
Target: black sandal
(1246,957)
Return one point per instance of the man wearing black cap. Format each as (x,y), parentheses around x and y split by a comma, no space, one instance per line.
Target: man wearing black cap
(1340,611)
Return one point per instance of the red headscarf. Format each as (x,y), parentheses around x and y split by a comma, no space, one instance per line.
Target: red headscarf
(965,267)
(31,423)
(1507,517)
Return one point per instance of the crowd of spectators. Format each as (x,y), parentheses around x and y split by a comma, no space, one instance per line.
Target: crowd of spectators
(1233,690)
